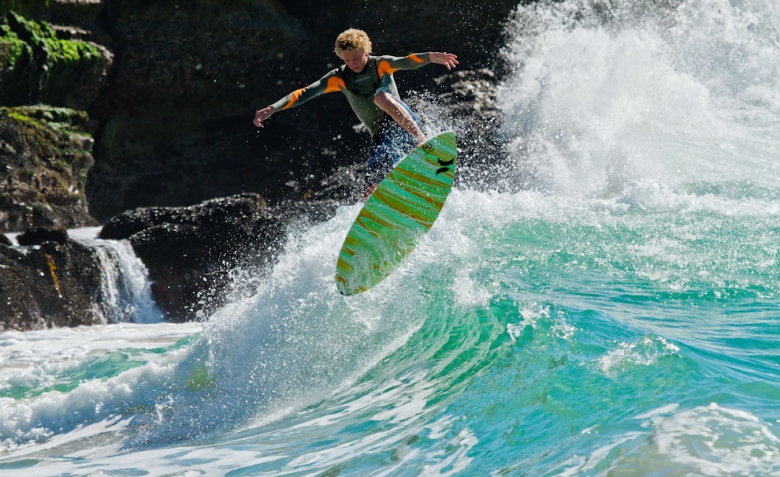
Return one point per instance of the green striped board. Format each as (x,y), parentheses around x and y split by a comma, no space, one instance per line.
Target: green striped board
(400,211)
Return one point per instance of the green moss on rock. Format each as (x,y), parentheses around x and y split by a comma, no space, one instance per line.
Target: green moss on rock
(39,67)
(12,49)
(41,35)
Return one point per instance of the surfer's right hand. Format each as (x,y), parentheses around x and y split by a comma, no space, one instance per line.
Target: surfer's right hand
(261,115)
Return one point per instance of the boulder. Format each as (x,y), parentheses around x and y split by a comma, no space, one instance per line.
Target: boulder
(171,122)
(176,120)
(175,115)
(53,284)
(190,252)
(41,235)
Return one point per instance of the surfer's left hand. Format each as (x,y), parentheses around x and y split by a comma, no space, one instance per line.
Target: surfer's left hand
(261,115)
(447,59)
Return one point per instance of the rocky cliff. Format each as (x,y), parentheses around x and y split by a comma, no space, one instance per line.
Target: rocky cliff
(159,95)
(186,76)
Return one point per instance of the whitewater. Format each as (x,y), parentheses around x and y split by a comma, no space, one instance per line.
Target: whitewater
(605,301)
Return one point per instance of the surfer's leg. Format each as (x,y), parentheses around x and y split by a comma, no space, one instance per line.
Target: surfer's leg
(380,161)
(401,114)
(391,144)
(399,141)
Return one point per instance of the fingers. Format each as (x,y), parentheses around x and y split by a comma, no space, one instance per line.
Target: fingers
(449,60)
(260,116)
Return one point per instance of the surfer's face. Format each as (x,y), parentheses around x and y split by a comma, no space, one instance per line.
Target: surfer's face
(355,59)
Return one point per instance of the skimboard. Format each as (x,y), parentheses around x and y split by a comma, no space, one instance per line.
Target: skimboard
(400,211)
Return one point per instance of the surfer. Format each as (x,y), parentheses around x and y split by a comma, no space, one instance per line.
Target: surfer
(367,82)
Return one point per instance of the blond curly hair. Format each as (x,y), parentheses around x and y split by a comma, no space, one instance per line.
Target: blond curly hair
(352,39)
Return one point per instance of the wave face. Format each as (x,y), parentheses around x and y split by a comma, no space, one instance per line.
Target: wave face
(616,314)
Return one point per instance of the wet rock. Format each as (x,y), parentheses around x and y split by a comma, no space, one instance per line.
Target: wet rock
(176,118)
(173,127)
(41,235)
(49,285)
(190,252)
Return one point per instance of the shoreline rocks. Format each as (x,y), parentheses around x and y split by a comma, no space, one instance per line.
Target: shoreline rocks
(54,282)
(191,252)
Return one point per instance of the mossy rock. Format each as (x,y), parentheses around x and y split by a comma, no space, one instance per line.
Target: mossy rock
(38,67)
(45,154)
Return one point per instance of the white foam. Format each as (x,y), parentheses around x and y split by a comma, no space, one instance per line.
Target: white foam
(645,351)
(35,359)
(652,95)
(706,440)
(716,440)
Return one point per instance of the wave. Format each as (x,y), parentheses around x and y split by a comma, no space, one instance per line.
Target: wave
(614,313)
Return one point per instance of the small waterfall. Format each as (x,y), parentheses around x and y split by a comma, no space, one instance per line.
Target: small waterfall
(125,290)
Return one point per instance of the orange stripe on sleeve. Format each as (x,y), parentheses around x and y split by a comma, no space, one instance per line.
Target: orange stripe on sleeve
(384,67)
(335,84)
(416,58)
(294,96)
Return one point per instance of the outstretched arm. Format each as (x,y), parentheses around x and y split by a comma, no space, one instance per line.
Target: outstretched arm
(327,84)
(391,64)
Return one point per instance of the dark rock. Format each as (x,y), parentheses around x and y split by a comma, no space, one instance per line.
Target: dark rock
(5,241)
(172,127)
(52,285)
(190,250)
(206,214)
(176,119)
(41,235)
(124,225)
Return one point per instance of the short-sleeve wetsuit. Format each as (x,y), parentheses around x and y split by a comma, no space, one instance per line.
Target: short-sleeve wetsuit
(391,142)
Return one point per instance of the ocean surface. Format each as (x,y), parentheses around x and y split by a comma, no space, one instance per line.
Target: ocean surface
(611,308)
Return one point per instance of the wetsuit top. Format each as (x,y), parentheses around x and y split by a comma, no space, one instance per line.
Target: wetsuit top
(359,88)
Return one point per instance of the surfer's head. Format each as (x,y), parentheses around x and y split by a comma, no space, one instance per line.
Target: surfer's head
(353,46)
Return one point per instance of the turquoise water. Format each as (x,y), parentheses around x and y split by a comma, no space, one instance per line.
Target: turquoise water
(613,312)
